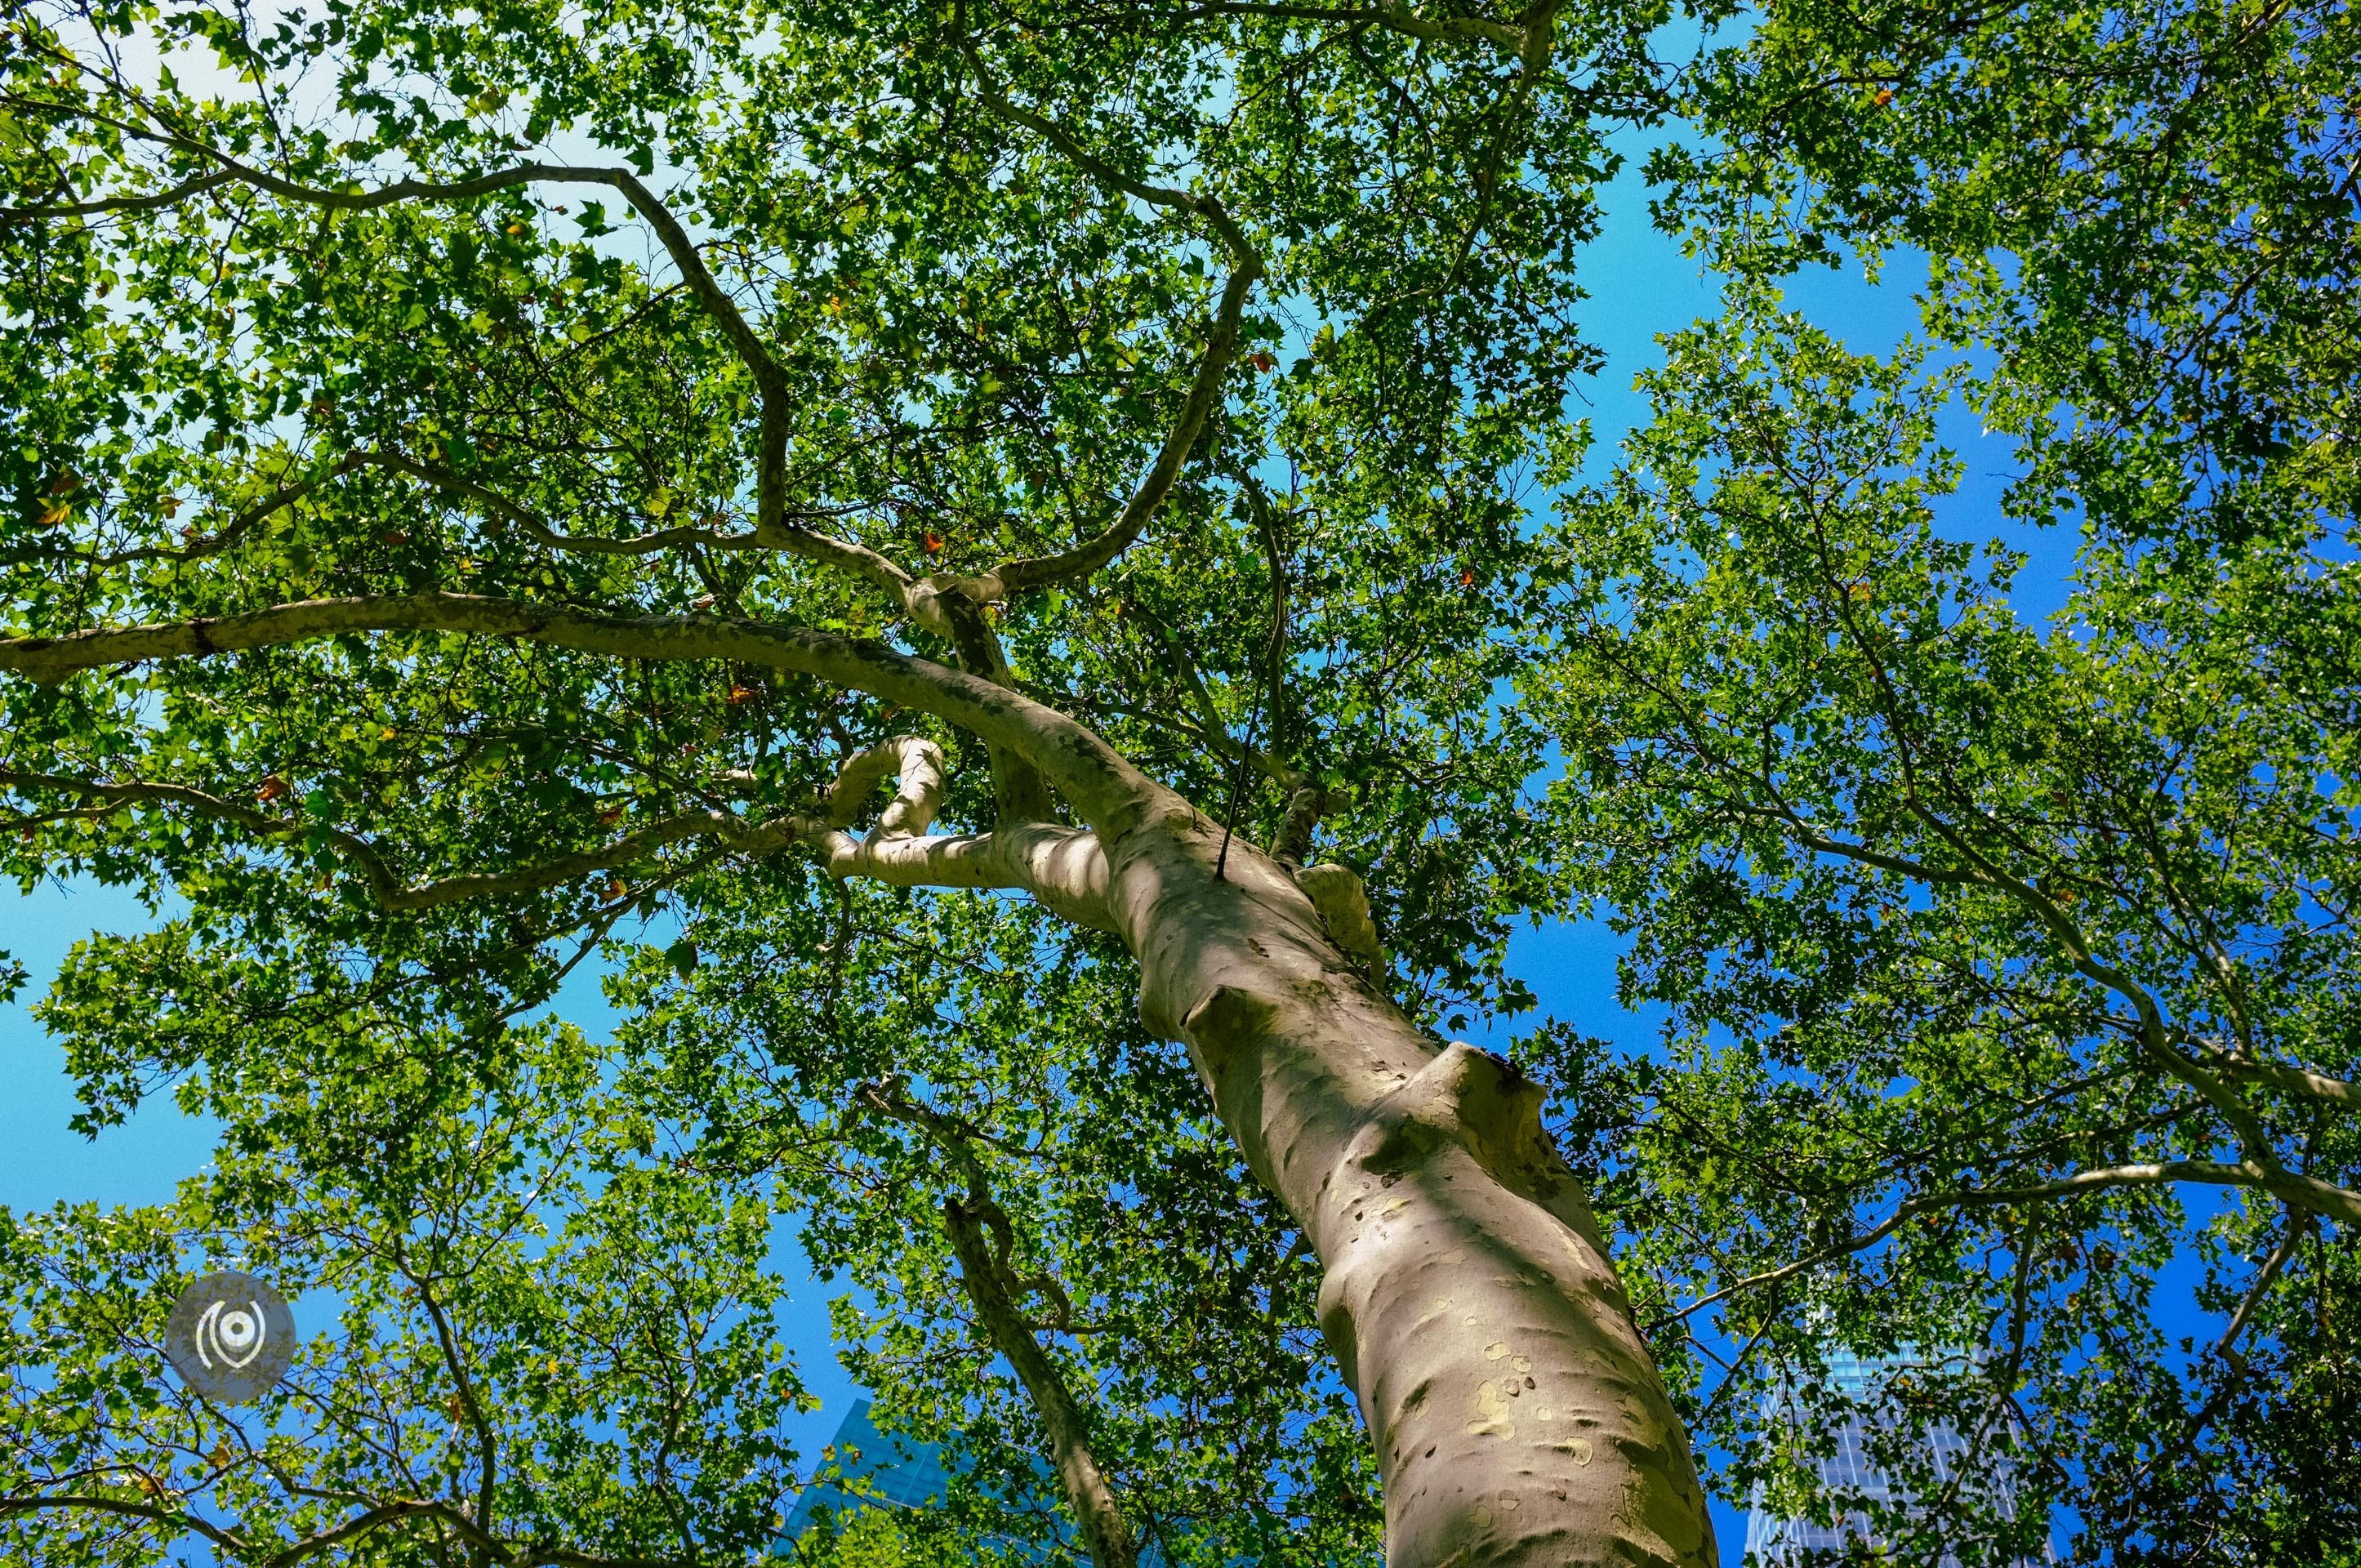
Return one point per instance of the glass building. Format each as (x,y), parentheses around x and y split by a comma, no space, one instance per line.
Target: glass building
(1849,1470)
(897,1472)
(901,1473)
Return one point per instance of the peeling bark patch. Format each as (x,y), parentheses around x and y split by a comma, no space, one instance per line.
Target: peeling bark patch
(1574,1448)
(1499,1350)
(1491,1414)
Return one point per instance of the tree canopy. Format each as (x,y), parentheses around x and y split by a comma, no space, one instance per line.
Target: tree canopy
(496,491)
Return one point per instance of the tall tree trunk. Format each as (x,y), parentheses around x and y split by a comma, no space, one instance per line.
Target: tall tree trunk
(1468,1295)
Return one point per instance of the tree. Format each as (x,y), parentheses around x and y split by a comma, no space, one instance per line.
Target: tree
(2019,935)
(593,1346)
(546,471)
(417,569)
(1982,903)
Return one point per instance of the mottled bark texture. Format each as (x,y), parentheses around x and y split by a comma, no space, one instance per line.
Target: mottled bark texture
(1468,1296)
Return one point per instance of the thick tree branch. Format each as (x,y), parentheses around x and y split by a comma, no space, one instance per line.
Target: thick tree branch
(202,545)
(487,1444)
(1204,388)
(195,186)
(675,238)
(1305,805)
(1204,391)
(1211,730)
(361,1524)
(1019,793)
(2299,1225)
(1533,41)
(126,1508)
(1063,867)
(1104,1530)
(684,252)
(769,380)
(1105,788)
(2295,1080)
(1208,208)
(915,766)
(1277,716)
(390,890)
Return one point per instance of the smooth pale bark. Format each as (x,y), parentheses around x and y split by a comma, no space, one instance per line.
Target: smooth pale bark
(1517,1415)
(1468,1296)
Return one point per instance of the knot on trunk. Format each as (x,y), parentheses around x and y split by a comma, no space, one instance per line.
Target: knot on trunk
(1343,908)
(1471,1097)
(1217,1027)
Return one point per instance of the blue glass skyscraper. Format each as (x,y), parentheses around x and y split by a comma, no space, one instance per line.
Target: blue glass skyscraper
(901,1473)
(894,1472)
(1849,1470)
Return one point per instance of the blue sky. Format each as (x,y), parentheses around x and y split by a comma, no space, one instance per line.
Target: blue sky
(1640,284)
